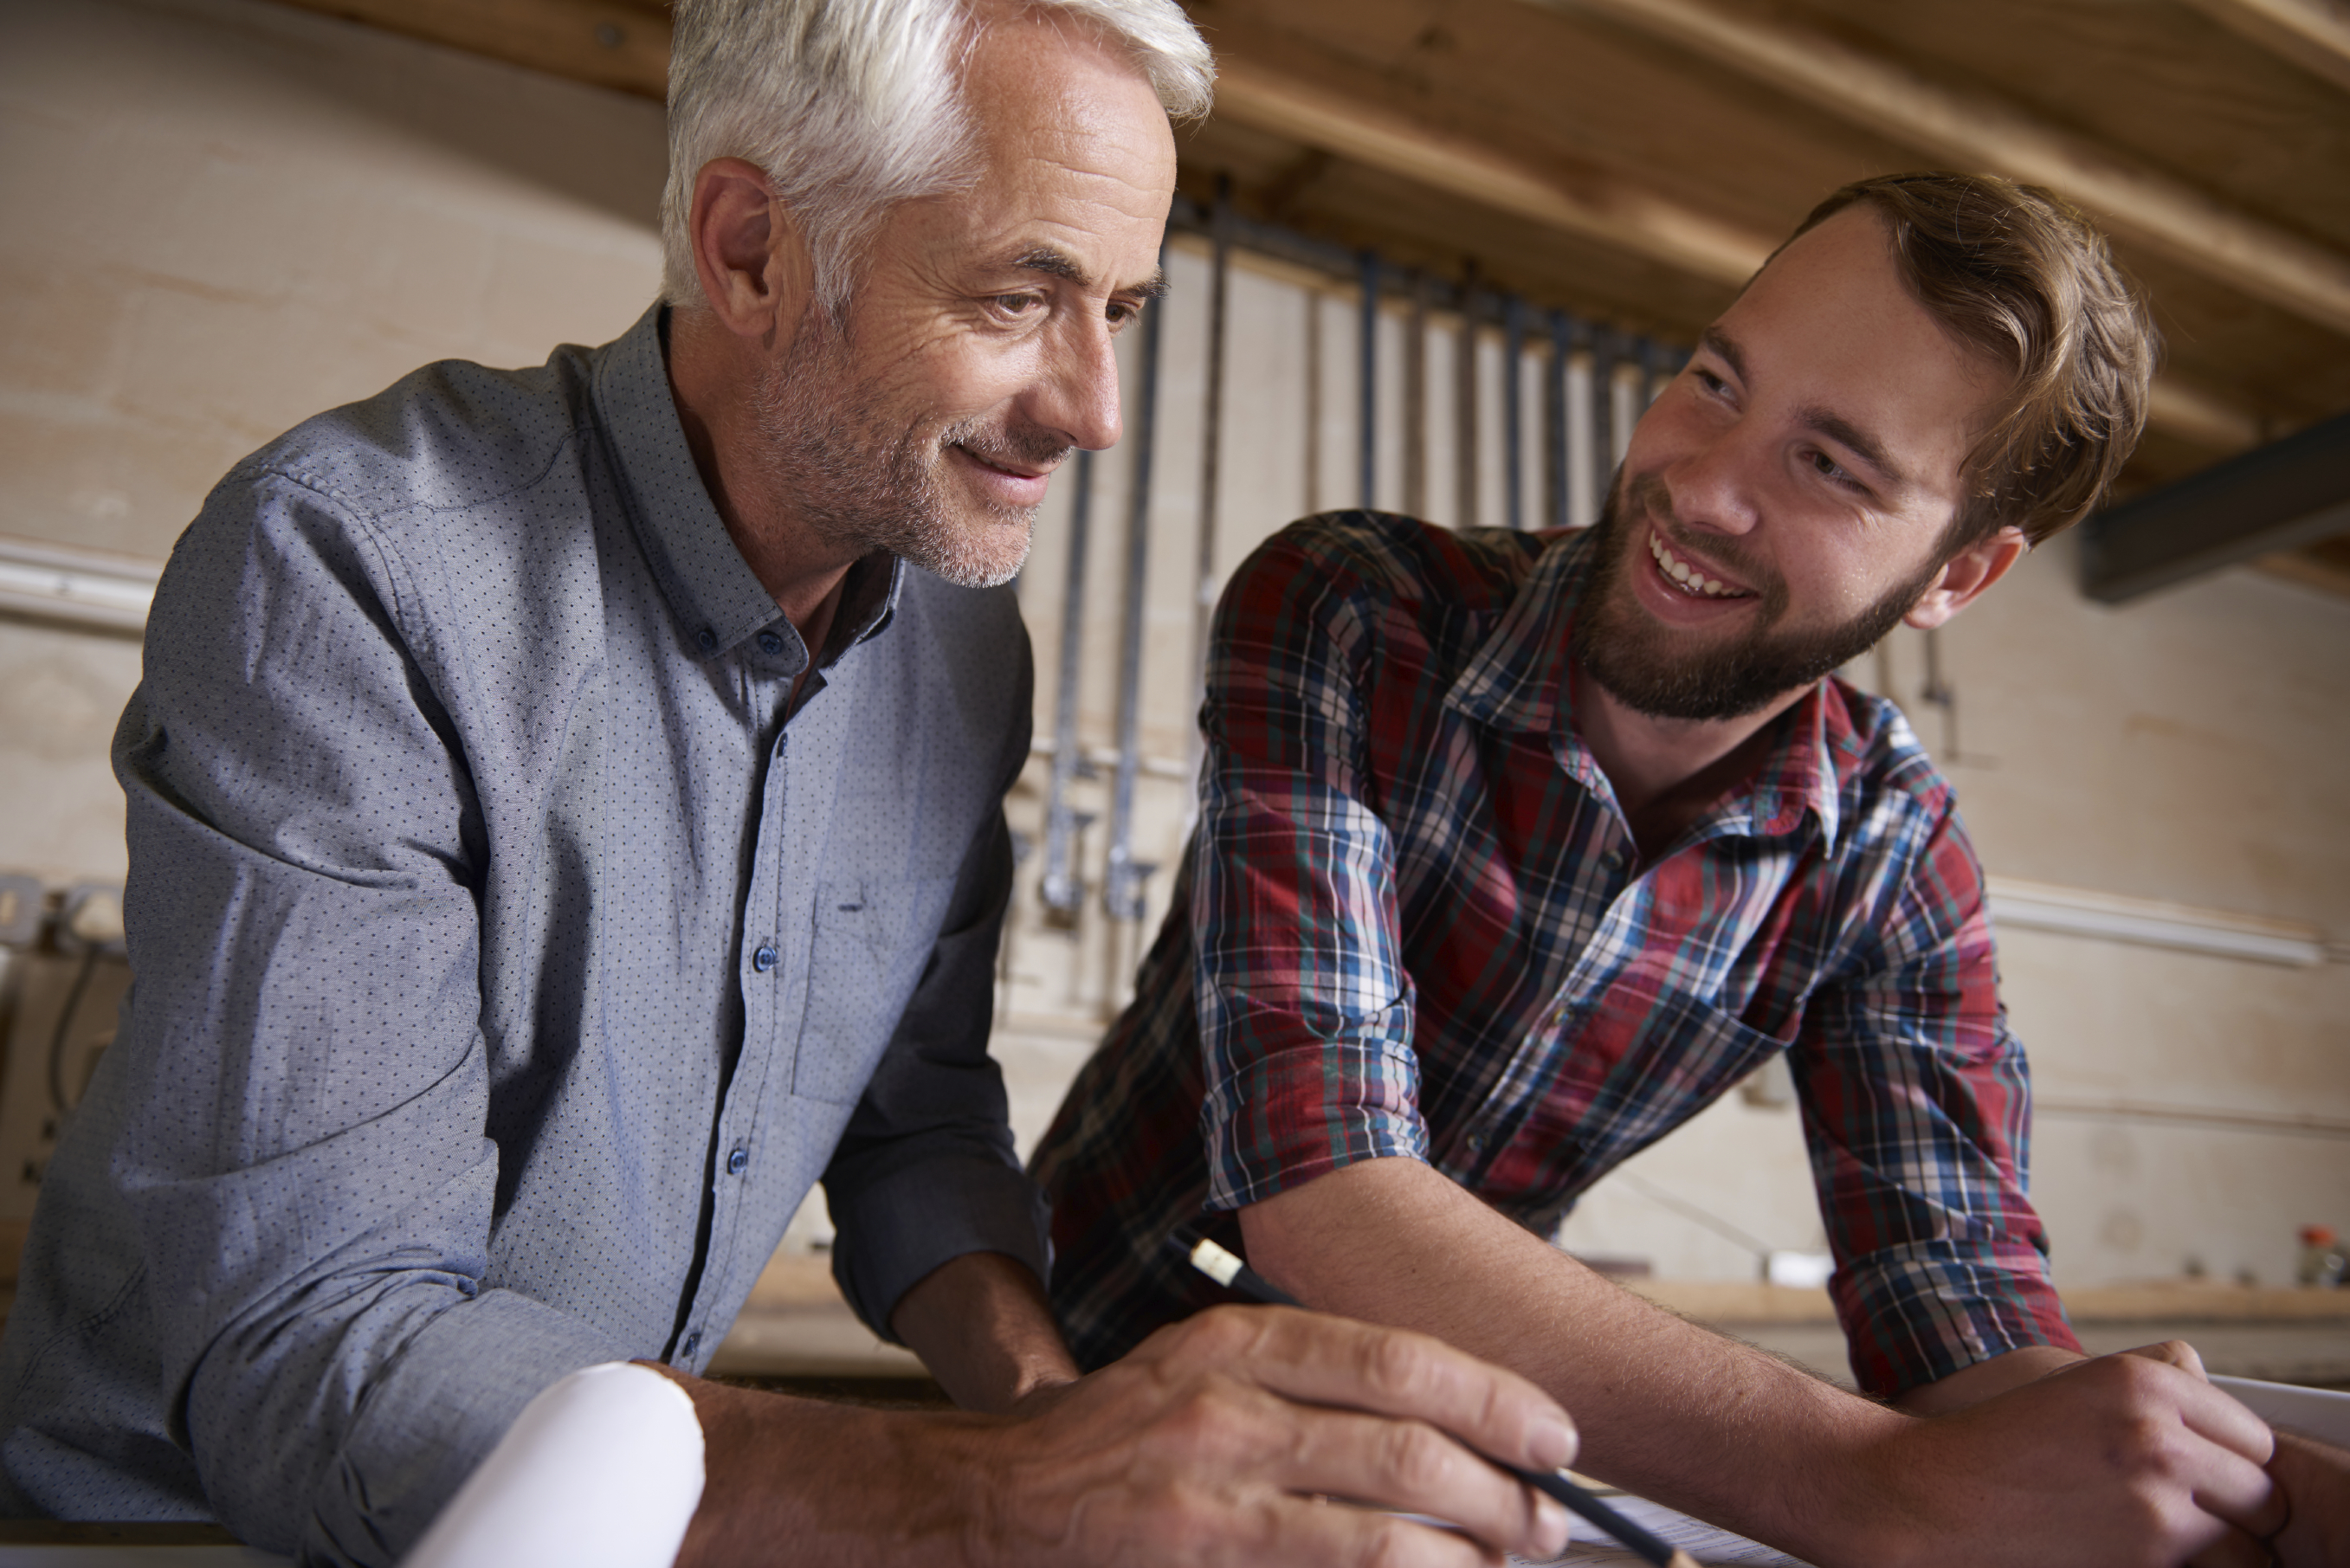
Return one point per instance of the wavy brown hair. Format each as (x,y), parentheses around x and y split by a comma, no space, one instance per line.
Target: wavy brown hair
(2023,276)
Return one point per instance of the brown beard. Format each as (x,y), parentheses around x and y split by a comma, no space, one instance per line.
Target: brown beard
(865,482)
(1636,661)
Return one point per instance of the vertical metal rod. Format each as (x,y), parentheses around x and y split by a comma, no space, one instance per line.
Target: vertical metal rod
(1605,350)
(1665,362)
(1466,458)
(1313,399)
(1122,885)
(1415,401)
(1211,431)
(1513,413)
(1064,887)
(1367,400)
(1630,398)
(1557,469)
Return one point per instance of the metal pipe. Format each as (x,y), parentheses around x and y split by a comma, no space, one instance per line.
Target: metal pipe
(1122,884)
(1513,413)
(1062,888)
(1368,393)
(1605,351)
(1415,401)
(1557,449)
(1313,399)
(1212,427)
(1466,458)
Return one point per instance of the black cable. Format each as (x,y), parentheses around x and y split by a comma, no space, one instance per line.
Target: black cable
(64,1029)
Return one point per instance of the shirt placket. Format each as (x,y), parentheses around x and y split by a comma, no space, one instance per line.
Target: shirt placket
(771,941)
(1599,865)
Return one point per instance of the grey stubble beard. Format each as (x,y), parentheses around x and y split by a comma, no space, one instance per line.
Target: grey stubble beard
(858,485)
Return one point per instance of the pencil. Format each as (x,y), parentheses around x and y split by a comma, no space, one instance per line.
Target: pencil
(1228,1271)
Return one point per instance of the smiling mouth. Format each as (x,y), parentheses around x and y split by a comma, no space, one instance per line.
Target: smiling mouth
(1688,578)
(981,458)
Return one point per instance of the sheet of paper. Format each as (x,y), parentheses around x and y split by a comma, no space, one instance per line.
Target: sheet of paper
(1701,1541)
(2322,1413)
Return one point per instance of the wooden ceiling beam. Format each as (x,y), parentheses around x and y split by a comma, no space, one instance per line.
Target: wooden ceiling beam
(1589,204)
(2313,34)
(2235,248)
(622,44)
(2287,495)
(1584,201)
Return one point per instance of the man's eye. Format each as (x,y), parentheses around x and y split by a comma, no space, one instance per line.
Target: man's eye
(1829,468)
(1018,304)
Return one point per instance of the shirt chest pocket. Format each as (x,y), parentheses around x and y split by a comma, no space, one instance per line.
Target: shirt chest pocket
(871,943)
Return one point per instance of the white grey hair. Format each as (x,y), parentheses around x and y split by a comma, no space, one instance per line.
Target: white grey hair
(852,106)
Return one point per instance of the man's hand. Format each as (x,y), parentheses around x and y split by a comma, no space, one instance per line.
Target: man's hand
(1240,1436)
(2129,1458)
(2315,1479)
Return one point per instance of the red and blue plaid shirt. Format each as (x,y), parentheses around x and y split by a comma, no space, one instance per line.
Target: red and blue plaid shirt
(1415,923)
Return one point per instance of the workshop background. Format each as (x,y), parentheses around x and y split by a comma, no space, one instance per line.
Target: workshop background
(220,216)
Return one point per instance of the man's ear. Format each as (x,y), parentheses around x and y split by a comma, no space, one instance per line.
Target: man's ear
(755,268)
(1965,576)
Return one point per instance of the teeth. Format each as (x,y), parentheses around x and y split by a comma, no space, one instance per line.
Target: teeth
(1690,579)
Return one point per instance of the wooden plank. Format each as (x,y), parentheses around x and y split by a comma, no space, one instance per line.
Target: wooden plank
(1587,202)
(2312,34)
(620,44)
(2132,200)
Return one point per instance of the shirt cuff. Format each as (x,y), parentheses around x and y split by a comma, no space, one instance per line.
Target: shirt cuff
(895,1230)
(435,1413)
(1295,1114)
(1916,1313)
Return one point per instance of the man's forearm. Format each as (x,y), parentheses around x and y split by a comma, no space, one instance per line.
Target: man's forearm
(1665,1409)
(981,1323)
(2121,1459)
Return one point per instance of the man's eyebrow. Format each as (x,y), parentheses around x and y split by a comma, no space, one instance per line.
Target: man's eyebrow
(1863,445)
(1056,262)
(1828,422)
(1724,349)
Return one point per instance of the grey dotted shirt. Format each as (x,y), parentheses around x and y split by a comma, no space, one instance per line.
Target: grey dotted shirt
(509,963)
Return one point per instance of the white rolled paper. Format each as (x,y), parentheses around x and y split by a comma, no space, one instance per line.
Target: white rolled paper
(603,1469)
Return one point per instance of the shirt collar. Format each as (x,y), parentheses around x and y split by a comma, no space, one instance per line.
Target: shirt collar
(716,599)
(1517,680)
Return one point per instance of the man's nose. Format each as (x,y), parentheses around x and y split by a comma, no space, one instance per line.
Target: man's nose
(1076,394)
(1714,483)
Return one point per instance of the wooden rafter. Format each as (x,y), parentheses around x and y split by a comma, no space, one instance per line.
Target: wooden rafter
(624,43)
(2148,207)
(1587,202)
(2312,34)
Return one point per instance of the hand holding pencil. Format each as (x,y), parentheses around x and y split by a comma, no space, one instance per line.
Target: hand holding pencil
(1222,1266)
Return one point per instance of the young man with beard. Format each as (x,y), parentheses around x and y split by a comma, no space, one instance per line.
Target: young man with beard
(1517,850)
(565,821)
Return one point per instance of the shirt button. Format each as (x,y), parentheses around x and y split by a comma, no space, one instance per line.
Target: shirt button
(738,1161)
(692,1343)
(707,638)
(1476,1142)
(764,959)
(770,643)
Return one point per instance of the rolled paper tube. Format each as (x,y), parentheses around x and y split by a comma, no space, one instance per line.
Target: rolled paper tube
(603,1469)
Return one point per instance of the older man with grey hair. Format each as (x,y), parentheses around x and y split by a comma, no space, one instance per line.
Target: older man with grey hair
(564,823)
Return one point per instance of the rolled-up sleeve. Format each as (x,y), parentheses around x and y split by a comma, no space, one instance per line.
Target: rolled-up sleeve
(302,1148)
(925,1172)
(1306,1007)
(1917,1111)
